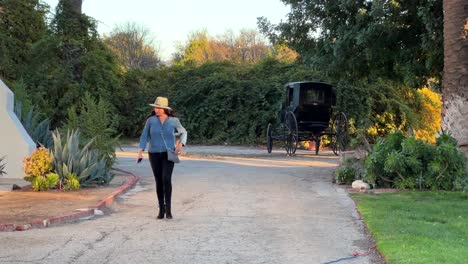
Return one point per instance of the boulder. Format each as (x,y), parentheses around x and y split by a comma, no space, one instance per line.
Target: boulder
(360,186)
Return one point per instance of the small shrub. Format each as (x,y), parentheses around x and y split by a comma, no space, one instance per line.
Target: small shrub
(40,184)
(72,183)
(38,164)
(412,163)
(345,174)
(53,180)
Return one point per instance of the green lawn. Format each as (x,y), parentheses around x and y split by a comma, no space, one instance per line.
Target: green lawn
(418,227)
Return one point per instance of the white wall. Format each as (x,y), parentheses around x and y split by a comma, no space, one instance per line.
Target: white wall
(15,143)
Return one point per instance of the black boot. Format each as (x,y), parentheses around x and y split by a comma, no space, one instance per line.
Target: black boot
(161,212)
(168,212)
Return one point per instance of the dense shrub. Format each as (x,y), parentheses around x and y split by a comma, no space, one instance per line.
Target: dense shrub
(96,121)
(430,115)
(345,174)
(37,168)
(71,182)
(406,162)
(38,164)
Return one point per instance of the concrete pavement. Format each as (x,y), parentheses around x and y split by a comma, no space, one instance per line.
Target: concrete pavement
(238,209)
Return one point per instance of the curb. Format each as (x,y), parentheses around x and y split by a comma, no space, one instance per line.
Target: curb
(107,201)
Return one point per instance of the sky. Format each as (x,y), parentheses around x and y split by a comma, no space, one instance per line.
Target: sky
(171,21)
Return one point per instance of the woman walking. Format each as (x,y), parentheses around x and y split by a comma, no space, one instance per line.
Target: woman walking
(159,131)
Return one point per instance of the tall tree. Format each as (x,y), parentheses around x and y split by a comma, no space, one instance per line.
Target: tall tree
(397,40)
(76,5)
(133,46)
(246,47)
(22,23)
(455,79)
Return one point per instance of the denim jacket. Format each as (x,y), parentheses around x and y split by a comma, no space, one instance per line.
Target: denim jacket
(152,134)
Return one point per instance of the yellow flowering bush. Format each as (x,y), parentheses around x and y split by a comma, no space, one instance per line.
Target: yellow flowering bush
(430,115)
(38,164)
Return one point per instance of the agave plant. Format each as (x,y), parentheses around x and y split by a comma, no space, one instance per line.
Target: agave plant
(2,166)
(87,164)
(38,129)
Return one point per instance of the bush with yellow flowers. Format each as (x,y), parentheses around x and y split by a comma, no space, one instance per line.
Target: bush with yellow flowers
(430,114)
(38,168)
(38,164)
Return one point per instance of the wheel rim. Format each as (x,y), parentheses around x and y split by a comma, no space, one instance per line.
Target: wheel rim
(292,133)
(269,139)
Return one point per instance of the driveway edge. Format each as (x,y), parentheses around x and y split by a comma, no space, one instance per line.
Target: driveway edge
(107,201)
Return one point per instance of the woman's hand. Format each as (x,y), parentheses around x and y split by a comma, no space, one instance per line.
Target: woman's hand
(178,148)
(140,154)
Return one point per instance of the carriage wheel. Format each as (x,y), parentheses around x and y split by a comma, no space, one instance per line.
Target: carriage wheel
(317,145)
(340,139)
(269,137)
(292,133)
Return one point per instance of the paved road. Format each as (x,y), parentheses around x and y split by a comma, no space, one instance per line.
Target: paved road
(265,209)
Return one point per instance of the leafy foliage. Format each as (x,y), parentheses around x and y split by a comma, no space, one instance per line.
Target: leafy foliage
(49,181)
(96,123)
(38,164)
(132,45)
(2,166)
(429,112)
(395,40)
(345,175)
(22,23)
(411,163)
(87,164)
(248,46)
(38,130)
(72,183)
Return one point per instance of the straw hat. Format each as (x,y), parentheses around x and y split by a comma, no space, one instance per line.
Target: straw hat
(161,102)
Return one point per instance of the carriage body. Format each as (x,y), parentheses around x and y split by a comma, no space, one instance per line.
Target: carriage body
(312,104)
(307,114)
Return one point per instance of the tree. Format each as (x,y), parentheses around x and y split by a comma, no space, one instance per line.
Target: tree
(133,46)
(247,47)
(22,23)
(76,5)
(397,40)
(455,80)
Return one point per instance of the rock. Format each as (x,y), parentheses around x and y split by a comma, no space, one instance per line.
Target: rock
(360,186)
(15,187)
(98,212)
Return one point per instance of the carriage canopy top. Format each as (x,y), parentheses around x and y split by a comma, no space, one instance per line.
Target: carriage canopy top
(310,93)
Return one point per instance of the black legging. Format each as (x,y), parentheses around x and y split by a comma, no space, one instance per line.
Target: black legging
(162,170)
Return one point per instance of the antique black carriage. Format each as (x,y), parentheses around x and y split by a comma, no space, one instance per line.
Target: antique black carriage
(307,115)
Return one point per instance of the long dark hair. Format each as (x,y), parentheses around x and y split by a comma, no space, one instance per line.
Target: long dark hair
(168,112)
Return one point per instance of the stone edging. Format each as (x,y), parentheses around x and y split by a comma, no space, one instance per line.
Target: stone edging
(76,216)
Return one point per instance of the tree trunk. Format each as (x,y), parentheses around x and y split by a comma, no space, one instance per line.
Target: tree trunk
(76,4)
(455,78)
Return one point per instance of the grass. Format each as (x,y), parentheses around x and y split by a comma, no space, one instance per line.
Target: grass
(418,227)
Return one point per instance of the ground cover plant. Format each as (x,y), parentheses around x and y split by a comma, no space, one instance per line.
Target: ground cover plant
(418,227)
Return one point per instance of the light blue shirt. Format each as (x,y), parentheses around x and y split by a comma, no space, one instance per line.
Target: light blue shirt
(152,134)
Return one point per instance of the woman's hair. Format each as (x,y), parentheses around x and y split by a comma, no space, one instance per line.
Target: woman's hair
(169,112)
(166,111)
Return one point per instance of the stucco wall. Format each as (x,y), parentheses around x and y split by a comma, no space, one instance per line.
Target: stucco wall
(15,143)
